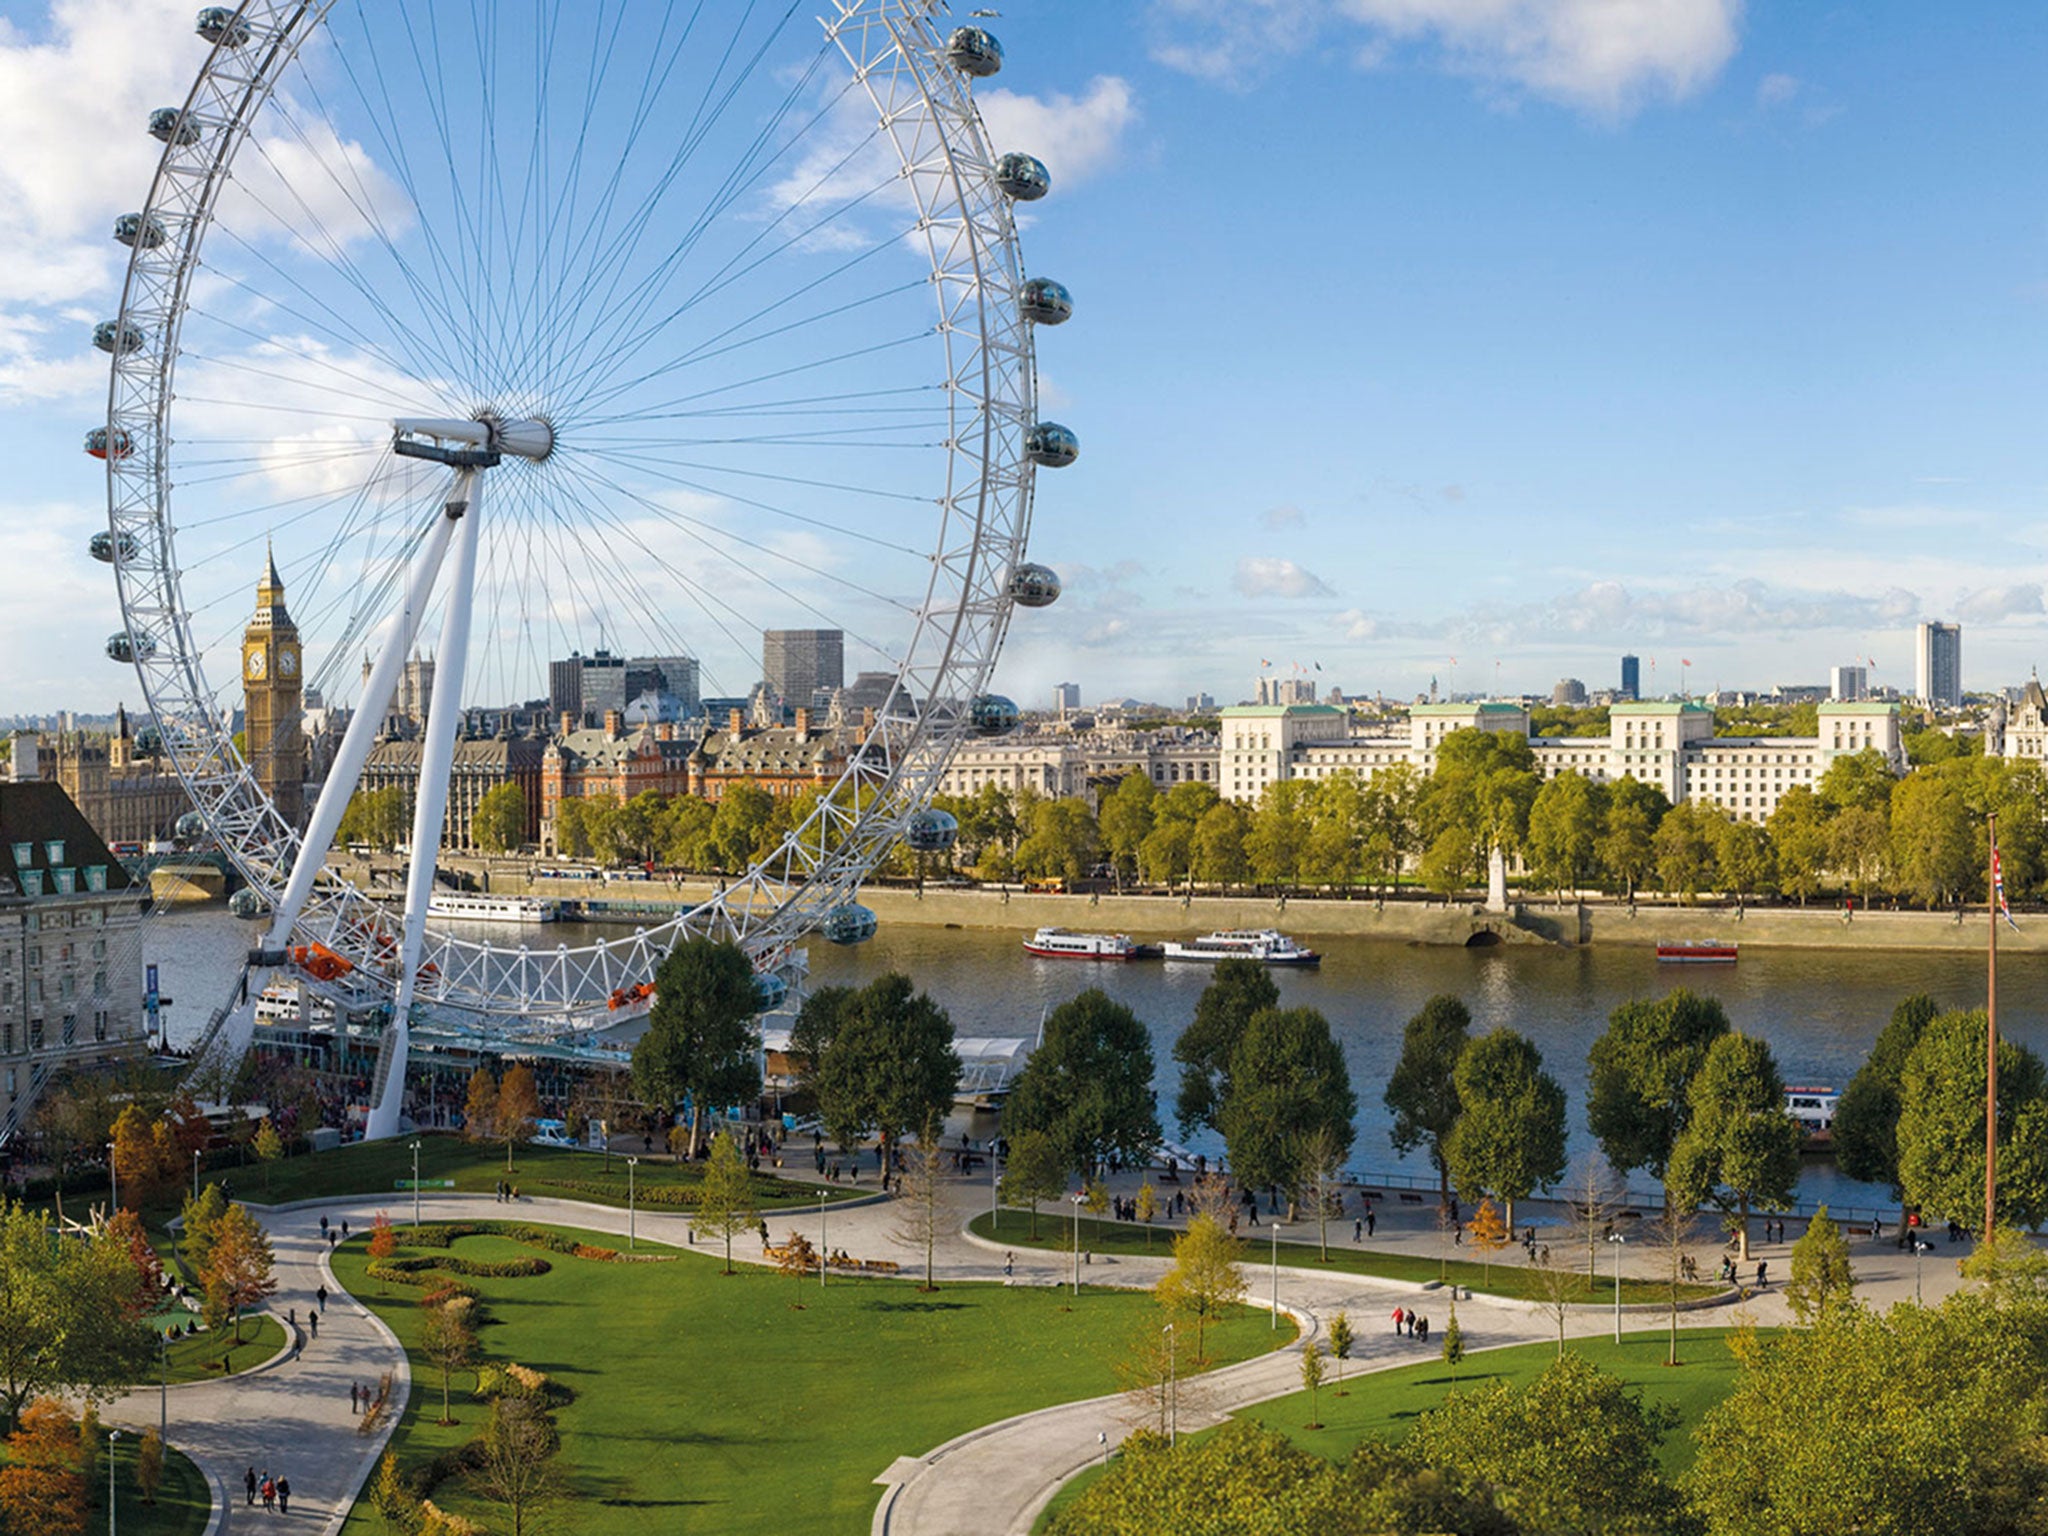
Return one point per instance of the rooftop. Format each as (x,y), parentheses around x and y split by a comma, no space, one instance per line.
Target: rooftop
(1277,711)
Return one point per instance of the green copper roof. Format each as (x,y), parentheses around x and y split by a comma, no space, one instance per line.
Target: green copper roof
(1275,711)
(1661,707)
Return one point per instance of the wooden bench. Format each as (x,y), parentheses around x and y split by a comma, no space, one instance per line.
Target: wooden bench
(1410,1198)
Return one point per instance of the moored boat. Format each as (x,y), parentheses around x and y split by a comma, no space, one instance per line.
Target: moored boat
(1814,1109)
(1268,946)
(462,907)
(1698,952)
(1065,944)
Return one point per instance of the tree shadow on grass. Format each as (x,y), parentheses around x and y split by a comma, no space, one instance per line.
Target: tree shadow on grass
(914,1306)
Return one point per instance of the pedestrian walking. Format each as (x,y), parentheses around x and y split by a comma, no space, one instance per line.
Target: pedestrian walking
(321,1296)
(269,1491)
(1358,1230)
(249,1485)
(344,1228)
(323,1226)
(1397,1319)
(355,1399)
(313,1323)
(1009,1263)
(1761,1266)
(1371,1221)
(284,1495)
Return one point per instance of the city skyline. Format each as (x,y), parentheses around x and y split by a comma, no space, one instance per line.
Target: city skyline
(1649,347)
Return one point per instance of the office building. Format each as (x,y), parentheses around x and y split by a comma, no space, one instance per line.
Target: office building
(1938,665)
(1631,680)
(588,688)
(799,664)
(1287,690)
(1849,685)
(1567,692)
(1066,697)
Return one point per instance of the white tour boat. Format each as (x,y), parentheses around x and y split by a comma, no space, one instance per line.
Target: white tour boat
(1265,945)
(1065,944)
(462,907)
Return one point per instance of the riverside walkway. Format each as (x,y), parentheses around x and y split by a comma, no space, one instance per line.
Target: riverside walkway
(292,1417)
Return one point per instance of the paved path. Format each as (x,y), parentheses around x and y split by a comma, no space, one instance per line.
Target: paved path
(293,1417)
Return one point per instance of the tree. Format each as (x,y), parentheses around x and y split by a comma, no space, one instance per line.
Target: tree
(1931,837)
(499,824)
(1341,1340)
(1454,1342)
(1277,841)
(1685,849)
(1061,843)
(1323,1151)
(1146,1208)
(1125,821)
(1866,1128)
(918,1221)
(142,1154)
(515,1460)
(890,1065)
(1489,1231)
(517,1108)
(1628,851)
(1913,1421)
(383,1239)
(1941,1125)
(66,1314)
(1088,1084)
(1337,832)
(149,1465)
(1740,1145)
(448,1338)
(1219,857)
(1564,831)
(43,1487)
(1423,1090)
(1035,1170)
(268,1147)
(1509,1140)
(1799,836)
(1312,1379)
(1858,781)
(1205,1280)
(1289,1089)
(241,1262)
(1821,1275)
(701,1046)
(1238,989)
(725,1200)
(1638,1073)
(1859,846)
(1744,856)
(1573,1450)
(480,1109)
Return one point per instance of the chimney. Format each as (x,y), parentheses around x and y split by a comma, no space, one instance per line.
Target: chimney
(614,723)
(568,724)
(867,720)
(732,721)
(665,731)
(803,725)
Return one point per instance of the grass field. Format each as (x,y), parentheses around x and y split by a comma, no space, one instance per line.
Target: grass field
(198,1358)
(755,1403)
(377,1167)
(183,1501)
(1504,1277)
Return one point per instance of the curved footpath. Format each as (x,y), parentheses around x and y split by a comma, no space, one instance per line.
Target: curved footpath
(292,1416)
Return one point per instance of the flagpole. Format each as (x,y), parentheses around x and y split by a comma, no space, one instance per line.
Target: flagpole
(1991,1039)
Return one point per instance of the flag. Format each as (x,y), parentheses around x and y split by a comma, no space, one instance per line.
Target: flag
(1685,661)
(1264,663)
(1872,660)
(1319,666)
(1998,889)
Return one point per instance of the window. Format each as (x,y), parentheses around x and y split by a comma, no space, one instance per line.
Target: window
(35,1034)
(70,1029)
(99,1025)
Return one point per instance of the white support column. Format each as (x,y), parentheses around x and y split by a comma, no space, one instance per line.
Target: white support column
(430,807)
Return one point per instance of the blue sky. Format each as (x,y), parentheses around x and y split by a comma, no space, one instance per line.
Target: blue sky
(1516,331)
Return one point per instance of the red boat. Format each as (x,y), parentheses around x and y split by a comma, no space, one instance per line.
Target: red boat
(1698,952)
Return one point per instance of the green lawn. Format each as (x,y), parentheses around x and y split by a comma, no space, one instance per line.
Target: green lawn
(199,1357)
(755,1402)
(1386,1403)
(183,1505)
(380,1167)
(1505,1277)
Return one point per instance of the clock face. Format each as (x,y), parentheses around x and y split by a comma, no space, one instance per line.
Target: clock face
(255,664)
(287,662)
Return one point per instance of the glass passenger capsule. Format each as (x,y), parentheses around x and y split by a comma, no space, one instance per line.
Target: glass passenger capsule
(973,51)
(1023,177)
(219,25)
(248,904)
(102,444)
(1034,586)
(104,545)
(1045,302)
(113,336)
(149,742)
(1051,445)
(170,125)
(132,229)
(769,990)
(849,923)
(191,827)
(931,831)
(122,649)
(992,715)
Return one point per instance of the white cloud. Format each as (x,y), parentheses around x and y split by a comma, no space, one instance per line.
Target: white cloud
(1604,56)
(1990,605)
(1074,136)
(1358,624)
(1282,517)
(1776,90)
(1269,576)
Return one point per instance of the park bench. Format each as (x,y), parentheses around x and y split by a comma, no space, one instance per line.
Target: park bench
(1409,1197)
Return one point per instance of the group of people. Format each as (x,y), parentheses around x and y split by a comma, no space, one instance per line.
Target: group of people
(505,1191)
(1410,1322)
(276,1492)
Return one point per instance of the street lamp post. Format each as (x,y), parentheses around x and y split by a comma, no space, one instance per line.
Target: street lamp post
(195,1173)
(632,1221)
(415,1183)
(1078,1198)
(995,1211)
(822,1232)
(112,1436)
(1617,1239)
(113,1181)
(1276,1277)
(1172,1390)
(1918,1249)
(163,1400)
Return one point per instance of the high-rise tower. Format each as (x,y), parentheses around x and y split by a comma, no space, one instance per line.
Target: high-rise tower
(272,695)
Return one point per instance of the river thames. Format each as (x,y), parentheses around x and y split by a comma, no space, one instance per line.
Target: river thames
(1819,1010)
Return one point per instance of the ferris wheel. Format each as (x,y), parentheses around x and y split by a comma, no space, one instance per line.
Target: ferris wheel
(599,330)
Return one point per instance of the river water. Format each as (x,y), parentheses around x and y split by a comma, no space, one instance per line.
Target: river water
(1819,1010)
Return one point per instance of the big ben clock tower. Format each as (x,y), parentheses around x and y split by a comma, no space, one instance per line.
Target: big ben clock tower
(271,693)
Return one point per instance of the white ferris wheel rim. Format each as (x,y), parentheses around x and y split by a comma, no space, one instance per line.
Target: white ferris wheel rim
(927,110)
